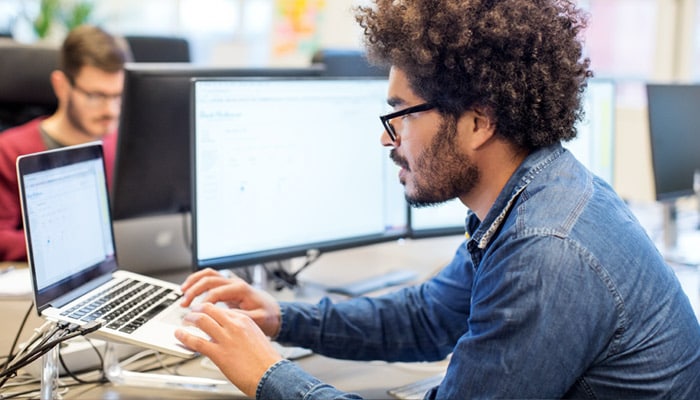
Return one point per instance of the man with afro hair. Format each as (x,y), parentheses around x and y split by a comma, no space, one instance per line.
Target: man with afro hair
(557,292)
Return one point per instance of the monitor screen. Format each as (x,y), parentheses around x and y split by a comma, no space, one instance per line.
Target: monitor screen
(285,166)
(593,146)
(440,220)
(152,168)
(674,129)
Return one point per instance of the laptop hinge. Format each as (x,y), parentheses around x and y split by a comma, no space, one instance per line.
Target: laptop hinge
(77,292)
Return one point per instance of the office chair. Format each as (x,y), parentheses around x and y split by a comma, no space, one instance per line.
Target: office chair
(346,62)
(25,85)
(158,48)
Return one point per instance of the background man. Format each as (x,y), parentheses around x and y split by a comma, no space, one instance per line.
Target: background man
(88,87)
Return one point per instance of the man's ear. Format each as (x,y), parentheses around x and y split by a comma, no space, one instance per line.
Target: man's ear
(60,84)
(483,127)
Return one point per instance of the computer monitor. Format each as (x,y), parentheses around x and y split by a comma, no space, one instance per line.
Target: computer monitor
(283,167)
(151,182)
(152,168)
(593,146)
(674,133)
(444,219)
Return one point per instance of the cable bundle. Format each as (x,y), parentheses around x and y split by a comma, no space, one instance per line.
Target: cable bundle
(45,338)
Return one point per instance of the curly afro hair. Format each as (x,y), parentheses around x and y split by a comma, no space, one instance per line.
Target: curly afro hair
(519,60)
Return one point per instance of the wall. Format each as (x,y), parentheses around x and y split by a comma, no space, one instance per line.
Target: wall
(236,42)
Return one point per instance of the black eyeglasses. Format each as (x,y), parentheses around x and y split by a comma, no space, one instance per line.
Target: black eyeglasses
(386,119)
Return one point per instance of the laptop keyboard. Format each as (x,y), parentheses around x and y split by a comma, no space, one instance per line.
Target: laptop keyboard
(125,306)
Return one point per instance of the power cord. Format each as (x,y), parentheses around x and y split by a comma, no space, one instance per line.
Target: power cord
(60,332)
(101,379)
(11,354)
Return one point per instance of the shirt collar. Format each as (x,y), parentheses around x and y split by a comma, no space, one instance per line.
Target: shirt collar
(481,232)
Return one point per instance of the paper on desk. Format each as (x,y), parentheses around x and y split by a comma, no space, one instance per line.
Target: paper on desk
(15,283)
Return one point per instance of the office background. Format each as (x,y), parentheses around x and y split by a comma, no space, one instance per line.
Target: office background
(630,41)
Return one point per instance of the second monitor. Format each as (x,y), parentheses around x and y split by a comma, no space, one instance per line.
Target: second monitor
(152,171)
(150,196)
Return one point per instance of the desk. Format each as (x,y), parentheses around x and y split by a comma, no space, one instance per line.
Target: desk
(369,379)
(6,264)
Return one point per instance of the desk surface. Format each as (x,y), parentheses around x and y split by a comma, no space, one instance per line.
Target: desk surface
(369,379)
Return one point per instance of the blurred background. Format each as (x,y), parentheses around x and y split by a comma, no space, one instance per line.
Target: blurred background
(633,42)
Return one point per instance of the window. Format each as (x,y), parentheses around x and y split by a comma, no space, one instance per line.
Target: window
(621,42)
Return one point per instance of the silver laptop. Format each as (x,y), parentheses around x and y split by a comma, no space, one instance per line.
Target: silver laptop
(70,244)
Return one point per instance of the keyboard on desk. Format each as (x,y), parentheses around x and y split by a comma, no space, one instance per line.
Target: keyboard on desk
(416,390)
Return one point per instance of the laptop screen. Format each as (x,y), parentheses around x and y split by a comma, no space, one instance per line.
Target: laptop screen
(67,220)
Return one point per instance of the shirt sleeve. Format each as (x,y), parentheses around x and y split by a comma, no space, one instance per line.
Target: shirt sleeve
(23,139)
(286,380)
(12,242)
(420,323)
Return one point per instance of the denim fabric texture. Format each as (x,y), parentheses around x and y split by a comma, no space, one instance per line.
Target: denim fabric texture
(559,292)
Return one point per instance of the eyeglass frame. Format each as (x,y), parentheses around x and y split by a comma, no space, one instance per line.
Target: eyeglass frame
(96,98)
(386,119)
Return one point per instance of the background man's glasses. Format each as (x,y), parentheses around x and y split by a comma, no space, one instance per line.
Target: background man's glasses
(96,99)
(386,119)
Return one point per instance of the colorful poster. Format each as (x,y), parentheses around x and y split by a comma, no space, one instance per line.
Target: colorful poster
(296,28)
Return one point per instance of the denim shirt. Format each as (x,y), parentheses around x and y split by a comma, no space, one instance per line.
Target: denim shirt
(558,292)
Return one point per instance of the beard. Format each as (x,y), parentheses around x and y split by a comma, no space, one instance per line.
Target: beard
(78,120)
(440,172)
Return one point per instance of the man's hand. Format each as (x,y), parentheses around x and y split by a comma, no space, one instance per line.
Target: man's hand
(237,346)
(259,305)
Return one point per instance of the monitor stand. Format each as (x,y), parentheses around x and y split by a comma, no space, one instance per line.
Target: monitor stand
(678,248)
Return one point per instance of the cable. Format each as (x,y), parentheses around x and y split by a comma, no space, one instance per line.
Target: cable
(10,355)
(68,332)
(101,379)
(61,332)
(288,279)
(38,337)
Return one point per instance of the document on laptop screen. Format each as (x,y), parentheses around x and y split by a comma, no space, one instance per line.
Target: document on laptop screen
(69,229)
